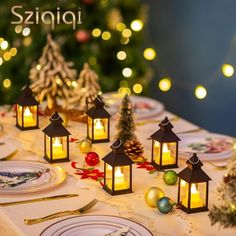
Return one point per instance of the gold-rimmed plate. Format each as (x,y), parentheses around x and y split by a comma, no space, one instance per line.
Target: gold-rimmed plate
(20,177)
(94,225)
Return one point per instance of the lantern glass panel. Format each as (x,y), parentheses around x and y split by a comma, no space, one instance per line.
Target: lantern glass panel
(184,192)
(90,127)
(48,146)
(100,129)
(108,176)
(19,115)
(30,116)
(198,195)
(168,153)
(59,147)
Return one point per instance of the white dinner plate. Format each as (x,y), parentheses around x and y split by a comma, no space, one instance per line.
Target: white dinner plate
(143,107)
(19,177)
(94,225)
(7,149)
(208,146)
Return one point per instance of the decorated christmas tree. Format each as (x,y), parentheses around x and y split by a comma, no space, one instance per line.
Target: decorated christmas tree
(86,90)
(224,212)
(126,129)
(52,77)
(110,38)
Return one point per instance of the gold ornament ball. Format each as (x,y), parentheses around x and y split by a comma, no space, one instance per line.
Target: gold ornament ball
(153,195)
(85,146)
(64,118)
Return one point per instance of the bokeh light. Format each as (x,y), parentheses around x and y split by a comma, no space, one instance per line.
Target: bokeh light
(96,32)
(137,88)
(227,70)
(136,25)
(123,91)
(7,56)
(1,61)
(200,92)
(4,45)
(127,72)
(38,67)
(18,29)
(165,84)
(106,35)
(120,26)
(26,31)
(121,55)
(6,83)
(126,33)
(149,54)
(13,52)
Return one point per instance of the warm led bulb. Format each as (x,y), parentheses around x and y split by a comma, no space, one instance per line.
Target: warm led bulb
(126,33)
(96,32)
(200,92)
(137,88)
(4,45)
(149,54)
(106,35)
(121,55)
(165,84)
(6,83)
(136,25)
(26,31)
(127,72)
(227,70)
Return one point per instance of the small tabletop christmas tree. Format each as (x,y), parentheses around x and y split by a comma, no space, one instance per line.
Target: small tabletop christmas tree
(87,90)
(126,129)
(52,77)
(225,211)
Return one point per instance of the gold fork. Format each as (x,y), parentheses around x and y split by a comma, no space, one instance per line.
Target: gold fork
(62,213)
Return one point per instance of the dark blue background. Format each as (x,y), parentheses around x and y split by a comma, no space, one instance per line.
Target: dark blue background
(193,39)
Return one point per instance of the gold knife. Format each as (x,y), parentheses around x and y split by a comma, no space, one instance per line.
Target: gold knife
(57,197)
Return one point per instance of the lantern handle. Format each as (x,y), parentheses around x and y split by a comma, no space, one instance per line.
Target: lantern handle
(166,123)
(55,119)
(193,162)
(99,99)
(117,146)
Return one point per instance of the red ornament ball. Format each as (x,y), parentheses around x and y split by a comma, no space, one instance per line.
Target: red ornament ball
(82,36)
(92,158)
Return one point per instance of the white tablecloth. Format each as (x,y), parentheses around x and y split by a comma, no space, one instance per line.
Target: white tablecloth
(132,206)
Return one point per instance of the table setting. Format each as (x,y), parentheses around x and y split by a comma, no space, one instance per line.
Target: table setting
(77,196)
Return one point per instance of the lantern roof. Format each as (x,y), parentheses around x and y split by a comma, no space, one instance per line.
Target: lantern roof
(117,156)
(193,172)
(56,129)
(26,97)
(165,133)
(98,110)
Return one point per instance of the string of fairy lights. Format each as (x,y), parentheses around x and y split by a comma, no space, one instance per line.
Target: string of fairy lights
(150,54)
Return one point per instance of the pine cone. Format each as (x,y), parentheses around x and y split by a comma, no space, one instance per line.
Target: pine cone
(134,149)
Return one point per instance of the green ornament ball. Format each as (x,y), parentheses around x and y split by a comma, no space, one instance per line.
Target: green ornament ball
(153,195)
(170,177)
(165,205)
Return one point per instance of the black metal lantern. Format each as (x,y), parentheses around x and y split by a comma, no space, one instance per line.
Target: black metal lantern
(98,124)
(27,110)
(193,187)
(165,146)
(56,141)
(117,170)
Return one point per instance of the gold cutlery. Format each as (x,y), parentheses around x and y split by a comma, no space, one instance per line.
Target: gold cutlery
(57,197)
(140,123)
(62,213)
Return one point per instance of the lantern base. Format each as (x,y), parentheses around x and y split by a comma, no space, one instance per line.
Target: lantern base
(158,167)
(26,128)
(56,160)
(99,140)
(192,210)
(118,192)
